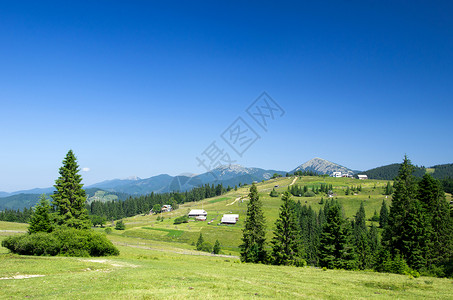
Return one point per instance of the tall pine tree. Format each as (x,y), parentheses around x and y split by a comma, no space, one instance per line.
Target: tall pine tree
(408,230)
(432,197)
(336,250)
(69,197)
(286,245)
(254,232)
(362,241)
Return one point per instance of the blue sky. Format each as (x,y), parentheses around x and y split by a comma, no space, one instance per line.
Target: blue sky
(142,88)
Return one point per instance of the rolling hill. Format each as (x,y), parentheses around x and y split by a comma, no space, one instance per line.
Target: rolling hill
(389,172)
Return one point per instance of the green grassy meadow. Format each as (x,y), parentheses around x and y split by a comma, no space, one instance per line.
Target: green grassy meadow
(157,259)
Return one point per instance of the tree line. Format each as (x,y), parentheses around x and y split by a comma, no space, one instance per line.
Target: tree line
(417,232)
(115,210)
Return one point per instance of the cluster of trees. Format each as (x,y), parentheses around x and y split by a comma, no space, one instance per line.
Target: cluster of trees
(206,246)
(65,227)
(16,215)
(388,189)
(115,210)
(307,191)
(417,232)
(304,173)
(353,189)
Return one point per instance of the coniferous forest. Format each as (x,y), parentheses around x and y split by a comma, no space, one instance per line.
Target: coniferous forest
(415,235)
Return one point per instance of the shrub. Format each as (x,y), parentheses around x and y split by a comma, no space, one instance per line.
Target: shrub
(274,193)
(182,219)
(64,242)
(206,247)
(108,230)
(120,225)
(309,194)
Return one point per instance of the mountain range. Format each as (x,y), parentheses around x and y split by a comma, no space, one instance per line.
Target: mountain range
(228,175)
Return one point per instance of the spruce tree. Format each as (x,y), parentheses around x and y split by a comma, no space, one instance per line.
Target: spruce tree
(216,249)
(362,243)
(286,246)
(200,242)
(41,219)
(69,197)
(408,230)
(254,232)
(336,250)
(432,197)
(383,215)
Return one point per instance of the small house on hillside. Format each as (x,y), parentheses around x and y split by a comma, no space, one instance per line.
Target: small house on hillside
(166,208)
(200,218)
(229,219)
(197,213)
(336,174)
(362,177)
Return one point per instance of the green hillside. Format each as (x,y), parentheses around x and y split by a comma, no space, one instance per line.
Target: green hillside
(158,260)
(147,227)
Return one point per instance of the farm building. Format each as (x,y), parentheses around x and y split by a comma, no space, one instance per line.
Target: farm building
(166,208)
(200,218)
(197,213)
(336,174)
(362,177)
(230,219)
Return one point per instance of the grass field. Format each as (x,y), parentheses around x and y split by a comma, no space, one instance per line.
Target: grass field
(158,260)
(236,202)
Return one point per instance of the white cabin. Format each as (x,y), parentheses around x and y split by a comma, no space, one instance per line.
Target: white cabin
(197,213)
(230,219)
(336,174)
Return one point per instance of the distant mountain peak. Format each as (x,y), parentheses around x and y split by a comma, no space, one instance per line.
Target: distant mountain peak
(322,166)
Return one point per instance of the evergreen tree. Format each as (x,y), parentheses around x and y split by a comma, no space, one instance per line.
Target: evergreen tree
(40,219)
(69,197)
(286,246)
(408,230)
(309,234)
(403,200)
(362,239)
(383,215)
(216,249)
(432,197)
(336,249)
(254,232)
(200,242)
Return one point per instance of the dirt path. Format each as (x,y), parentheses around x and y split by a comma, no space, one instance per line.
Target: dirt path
(236,200)
(294,181)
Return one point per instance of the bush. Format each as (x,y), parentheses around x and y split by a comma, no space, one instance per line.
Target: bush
(64,242)
(309,194)
(274,193)
(206,247)
(108,230)
(120,225)
(182,219)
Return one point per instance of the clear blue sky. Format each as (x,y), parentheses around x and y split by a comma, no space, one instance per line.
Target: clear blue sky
(137,88)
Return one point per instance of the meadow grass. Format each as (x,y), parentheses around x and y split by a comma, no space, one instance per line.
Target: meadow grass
(143,273)
(230,235)
(158,259)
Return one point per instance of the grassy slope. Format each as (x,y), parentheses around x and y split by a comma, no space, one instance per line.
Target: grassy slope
(157,261)
(230,235)
(149,274)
